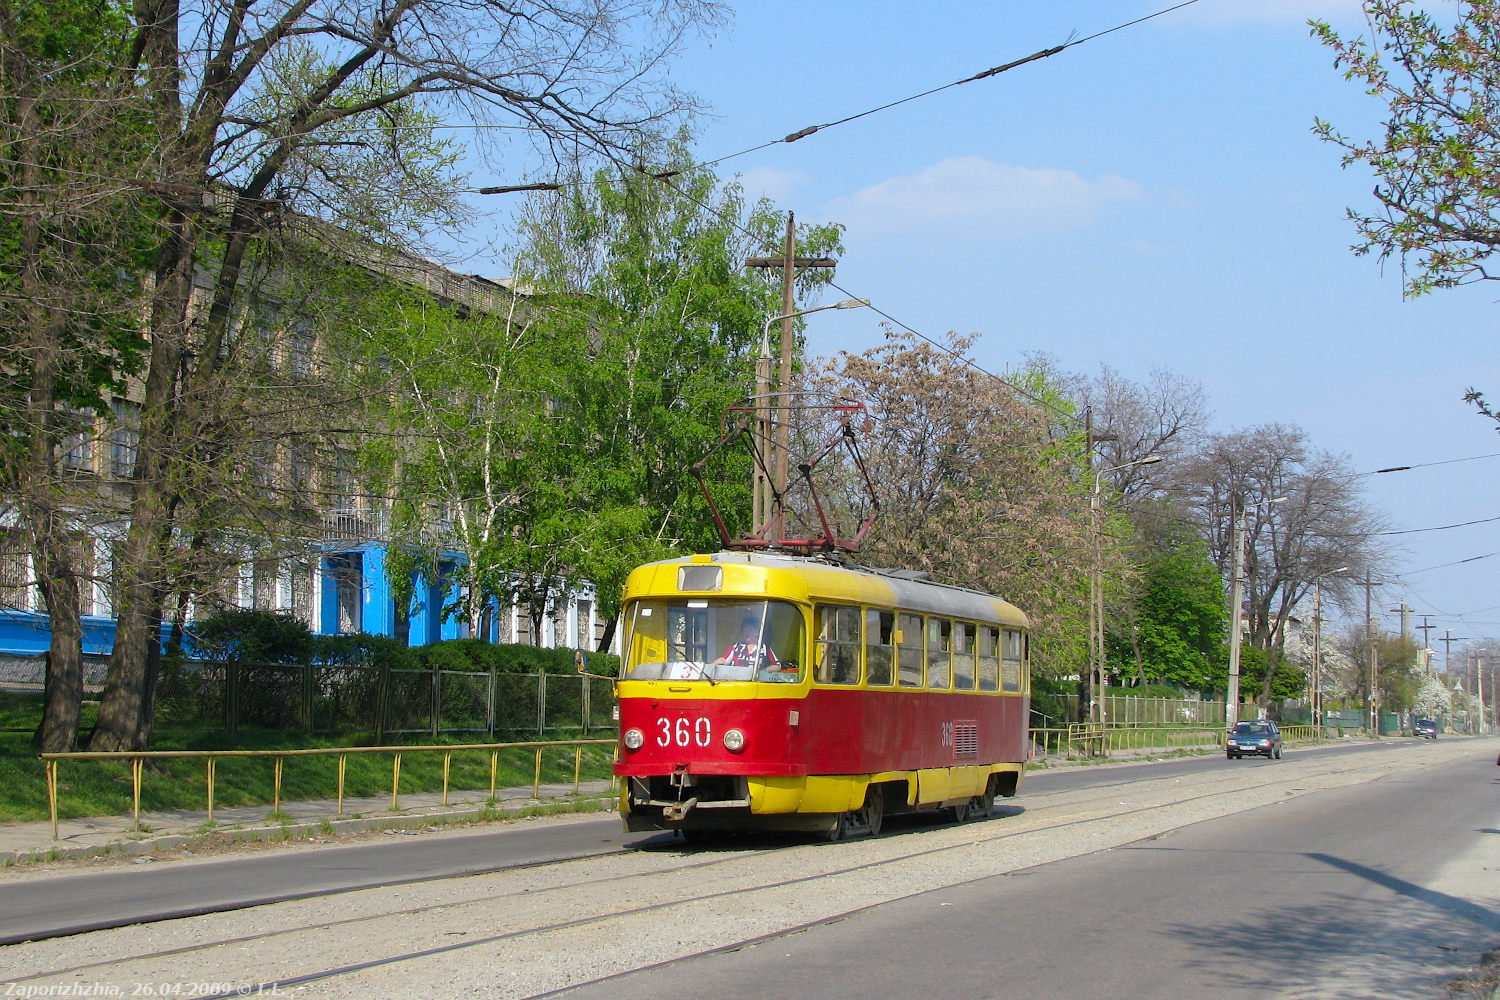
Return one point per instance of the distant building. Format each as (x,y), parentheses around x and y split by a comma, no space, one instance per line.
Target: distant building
(337,582)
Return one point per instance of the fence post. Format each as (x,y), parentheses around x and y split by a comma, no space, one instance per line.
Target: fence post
(307,695)
(583,679)
(493,697)
(382,688)
(541,702)
(232,695)
(51,768)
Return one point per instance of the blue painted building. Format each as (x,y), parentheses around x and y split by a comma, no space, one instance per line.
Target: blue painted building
(342,590)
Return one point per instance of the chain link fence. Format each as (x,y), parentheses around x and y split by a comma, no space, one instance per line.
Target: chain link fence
(320,698)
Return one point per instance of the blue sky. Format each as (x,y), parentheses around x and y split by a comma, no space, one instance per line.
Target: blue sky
(1151,198)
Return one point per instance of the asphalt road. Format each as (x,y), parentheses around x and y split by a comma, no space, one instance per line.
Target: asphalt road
(1382,889)
(79,901)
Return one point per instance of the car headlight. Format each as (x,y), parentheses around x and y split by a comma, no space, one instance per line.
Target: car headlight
(734,740)
(634,739)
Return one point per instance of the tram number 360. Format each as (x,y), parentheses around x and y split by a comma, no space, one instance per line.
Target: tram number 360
(683,732)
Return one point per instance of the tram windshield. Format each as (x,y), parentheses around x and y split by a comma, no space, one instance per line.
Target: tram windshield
(700,639)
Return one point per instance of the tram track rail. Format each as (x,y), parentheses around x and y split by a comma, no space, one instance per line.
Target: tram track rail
(1081,812)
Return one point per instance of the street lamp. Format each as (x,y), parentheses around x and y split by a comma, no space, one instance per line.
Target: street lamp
(1236,595)
(1096,587)
(1317,677)
(764,490)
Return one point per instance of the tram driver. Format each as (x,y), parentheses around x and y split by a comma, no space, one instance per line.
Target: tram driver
(750,652)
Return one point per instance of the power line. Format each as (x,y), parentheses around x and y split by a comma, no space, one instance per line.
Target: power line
(803,133)
(1428,569)
(1426,465)
(1441,527)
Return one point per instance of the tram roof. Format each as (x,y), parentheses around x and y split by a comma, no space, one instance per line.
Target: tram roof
(834,577)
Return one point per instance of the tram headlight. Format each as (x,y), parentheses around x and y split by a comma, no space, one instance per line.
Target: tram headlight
(734,740)
(634,739)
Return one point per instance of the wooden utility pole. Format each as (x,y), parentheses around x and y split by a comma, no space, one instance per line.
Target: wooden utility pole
(1425,629)
(788,262)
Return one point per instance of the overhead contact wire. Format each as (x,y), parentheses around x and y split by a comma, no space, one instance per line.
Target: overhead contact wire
(803,133)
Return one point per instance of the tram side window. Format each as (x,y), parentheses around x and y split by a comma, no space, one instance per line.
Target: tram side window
(838,645)
(1011,661)
(878,628)
(909,655)
(939,653)
(989,658)
(963,656)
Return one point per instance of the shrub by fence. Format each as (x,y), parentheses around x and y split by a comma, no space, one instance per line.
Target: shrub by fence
(319,698)
(265,670)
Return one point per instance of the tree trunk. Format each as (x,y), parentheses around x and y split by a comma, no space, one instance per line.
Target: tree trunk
(607,638)
(138,614)
(126,703)
(63,683)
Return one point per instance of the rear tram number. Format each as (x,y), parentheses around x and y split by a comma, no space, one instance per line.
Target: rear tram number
(947,734)
(683,732)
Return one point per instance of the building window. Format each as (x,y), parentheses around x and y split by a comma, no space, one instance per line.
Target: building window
(124,437)
(263,585)
(346,572)
(15,570)
(75,451)
(585,627)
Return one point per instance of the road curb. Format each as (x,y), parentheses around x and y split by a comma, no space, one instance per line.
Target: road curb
(145,845)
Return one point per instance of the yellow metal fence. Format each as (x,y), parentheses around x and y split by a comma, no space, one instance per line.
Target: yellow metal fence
(210,759)
(1084,739)
(1092,739)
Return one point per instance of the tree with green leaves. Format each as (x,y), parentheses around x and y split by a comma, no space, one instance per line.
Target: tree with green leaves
(288,125)
(1178,619)
(73,236)
(1435,162)
(558,433)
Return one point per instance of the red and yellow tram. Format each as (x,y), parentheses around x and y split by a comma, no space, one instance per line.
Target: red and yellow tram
(762,691)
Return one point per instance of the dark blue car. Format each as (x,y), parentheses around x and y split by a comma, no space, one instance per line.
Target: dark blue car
(1425,728)
(1259,737)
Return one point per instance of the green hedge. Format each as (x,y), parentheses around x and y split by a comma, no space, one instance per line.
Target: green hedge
(251,636)
(482,657)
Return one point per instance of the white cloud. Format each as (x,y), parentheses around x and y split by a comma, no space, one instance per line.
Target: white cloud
(978,199)
(768,182)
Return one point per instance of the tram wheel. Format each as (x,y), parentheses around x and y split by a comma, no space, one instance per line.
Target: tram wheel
(839,830)
(959,813)
(872,814)
(984,804)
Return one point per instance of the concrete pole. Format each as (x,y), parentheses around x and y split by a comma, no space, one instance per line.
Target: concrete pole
(784,380)
(1372,706)
(1317,691)
(1236,595)
(1479,690)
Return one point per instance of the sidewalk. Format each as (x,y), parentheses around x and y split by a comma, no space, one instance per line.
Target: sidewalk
(172,829)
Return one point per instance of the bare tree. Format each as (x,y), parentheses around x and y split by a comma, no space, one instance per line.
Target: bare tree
(267,113)
(1304,518)
(971,486)
(1166,416)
